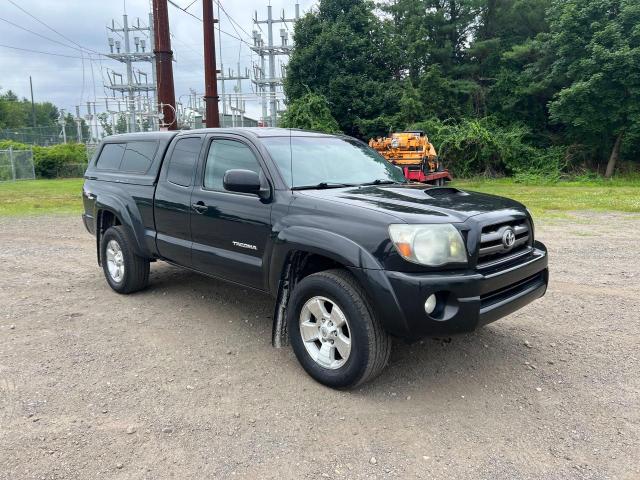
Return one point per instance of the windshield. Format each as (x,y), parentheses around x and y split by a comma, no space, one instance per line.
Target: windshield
(329,161)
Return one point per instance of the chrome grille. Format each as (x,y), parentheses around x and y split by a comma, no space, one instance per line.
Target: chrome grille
(492,249)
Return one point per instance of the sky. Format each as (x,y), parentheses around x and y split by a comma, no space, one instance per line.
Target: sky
(67,82)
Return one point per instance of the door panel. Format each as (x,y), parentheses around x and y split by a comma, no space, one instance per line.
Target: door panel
(172,203)
(230,231)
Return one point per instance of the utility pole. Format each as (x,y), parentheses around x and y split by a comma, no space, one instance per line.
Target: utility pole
(90,117)
(164,66)
(211,97)
(272,67)
(224,103)
(78,124)
(33,105)
(63,124)
(259,73)
(152,47)
(127,51)
(271,50)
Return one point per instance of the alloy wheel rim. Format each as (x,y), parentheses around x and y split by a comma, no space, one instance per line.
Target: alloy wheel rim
(115,261)
(325,332)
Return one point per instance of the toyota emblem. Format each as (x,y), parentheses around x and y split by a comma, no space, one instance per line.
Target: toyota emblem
(508,238)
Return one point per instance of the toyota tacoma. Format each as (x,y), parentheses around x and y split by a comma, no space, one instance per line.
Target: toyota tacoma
(350,251)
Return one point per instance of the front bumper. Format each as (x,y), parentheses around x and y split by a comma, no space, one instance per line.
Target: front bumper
(466,300)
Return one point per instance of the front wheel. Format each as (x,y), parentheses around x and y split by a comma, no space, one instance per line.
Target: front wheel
(334,333)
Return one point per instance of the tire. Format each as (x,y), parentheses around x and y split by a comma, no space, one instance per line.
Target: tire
(369,344)
(125,271)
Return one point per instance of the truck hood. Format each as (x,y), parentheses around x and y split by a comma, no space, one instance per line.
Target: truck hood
(417,203)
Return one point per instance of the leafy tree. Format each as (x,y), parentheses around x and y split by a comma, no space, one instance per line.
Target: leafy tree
(516,85)
(71,128)
(120,126)
(105,124)
(16,112)
(310,112)
(501,25)
(433,32)
(341,53)
(597,46)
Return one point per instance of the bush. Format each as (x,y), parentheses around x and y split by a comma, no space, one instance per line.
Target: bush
(481,146)
(54,161)
(63,160)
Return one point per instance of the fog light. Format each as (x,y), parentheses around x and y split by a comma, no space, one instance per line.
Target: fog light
(430,304)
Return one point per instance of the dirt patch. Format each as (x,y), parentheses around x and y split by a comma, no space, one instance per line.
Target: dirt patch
(180,381)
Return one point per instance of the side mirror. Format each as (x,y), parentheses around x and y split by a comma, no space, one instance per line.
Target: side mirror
(243,181)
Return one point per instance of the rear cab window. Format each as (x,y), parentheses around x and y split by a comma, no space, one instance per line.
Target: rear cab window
(111,156)
(133,158)
(138,156)
(130,157)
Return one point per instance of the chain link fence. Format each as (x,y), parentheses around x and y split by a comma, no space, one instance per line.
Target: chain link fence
(91,150)
(70,170)
(43,136)
(17,165)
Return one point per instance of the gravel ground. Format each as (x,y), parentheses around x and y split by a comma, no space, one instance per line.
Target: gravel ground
(180,381)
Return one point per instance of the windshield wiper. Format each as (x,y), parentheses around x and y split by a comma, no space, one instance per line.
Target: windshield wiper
(380,181)
(323,185)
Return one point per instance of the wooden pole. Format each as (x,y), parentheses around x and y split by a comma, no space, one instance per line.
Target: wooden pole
(164,63)
(211,97)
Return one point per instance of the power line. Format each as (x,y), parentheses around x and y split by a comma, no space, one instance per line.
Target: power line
(49,27)
(39,51)
(217,2)
(184,10)
(78,49)
(81,49)
(199,19)
(93,78)
(82,91)
(189,6)
(38,34)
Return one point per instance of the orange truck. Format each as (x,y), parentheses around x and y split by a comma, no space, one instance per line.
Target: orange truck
(412,151)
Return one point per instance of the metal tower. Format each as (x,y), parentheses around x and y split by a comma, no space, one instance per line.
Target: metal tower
(228,98)
(271,51)
(137,81)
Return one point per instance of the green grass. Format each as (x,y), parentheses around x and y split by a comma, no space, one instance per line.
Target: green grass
(552,200)
(28,197)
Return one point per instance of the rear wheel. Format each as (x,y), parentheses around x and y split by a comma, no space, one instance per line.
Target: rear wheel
(333,331)
(125,271)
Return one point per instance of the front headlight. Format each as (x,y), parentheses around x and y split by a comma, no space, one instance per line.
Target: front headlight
(431,245)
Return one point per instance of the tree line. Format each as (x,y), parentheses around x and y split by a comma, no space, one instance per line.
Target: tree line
(20,120)
(500,86)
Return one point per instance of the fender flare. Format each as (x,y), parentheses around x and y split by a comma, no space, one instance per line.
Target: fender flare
(128,216)
(344,251)
(320,242)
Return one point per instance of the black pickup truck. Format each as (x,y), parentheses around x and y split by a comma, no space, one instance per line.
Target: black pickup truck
(351,252)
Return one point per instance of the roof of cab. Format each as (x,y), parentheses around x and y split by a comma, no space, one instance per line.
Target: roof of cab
(131,137)
(260,132)
(256,132)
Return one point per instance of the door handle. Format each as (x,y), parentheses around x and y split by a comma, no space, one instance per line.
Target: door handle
(199,207)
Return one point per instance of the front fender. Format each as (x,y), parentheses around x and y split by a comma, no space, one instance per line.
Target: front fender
(346,252)
(318,241)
